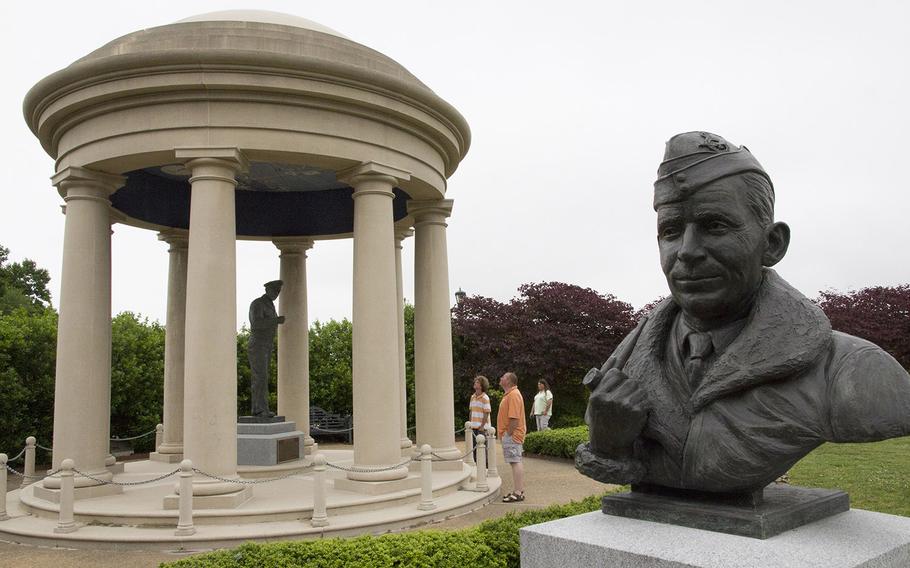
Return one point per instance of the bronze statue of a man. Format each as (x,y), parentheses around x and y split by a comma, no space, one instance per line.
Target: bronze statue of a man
(264,320)
(737,375)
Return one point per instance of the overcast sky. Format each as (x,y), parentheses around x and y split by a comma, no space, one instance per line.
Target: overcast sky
(569,104)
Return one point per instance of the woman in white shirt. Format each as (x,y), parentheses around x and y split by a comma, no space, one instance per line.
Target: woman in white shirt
(542,408)
(479,409)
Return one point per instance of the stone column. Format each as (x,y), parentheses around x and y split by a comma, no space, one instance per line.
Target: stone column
(377,435)
(293,337)
(171,448)
(210,362)
(433,372)
(82,390)
(401,235)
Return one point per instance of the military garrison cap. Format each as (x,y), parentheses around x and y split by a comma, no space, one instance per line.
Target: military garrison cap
(695,159)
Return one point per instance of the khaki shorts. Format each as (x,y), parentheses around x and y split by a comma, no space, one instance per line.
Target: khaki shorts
(510,450)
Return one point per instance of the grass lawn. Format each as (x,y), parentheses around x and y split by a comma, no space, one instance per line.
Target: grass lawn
(877,475)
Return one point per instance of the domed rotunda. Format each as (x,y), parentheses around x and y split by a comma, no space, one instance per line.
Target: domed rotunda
(259,126)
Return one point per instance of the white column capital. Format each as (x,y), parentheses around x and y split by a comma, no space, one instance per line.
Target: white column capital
(430,211)
(75,183)
(402,234)
(372,171)
(228,157)
(177,241)
(293,245)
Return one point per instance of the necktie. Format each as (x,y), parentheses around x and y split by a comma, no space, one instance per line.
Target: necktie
(700,348)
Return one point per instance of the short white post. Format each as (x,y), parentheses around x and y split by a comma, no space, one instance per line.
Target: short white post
(159,436)
(185,521)
(28,474)
(320,516)
(491,452)
(65,523)
(3,459)
(426,479)
(482,464)
(469,443)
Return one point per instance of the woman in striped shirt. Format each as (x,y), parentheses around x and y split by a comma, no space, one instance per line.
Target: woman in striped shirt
(479,409)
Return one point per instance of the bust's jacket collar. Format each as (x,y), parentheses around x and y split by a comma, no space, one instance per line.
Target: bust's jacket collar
(784,334)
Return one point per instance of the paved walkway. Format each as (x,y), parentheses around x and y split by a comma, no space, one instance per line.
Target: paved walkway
(547,482)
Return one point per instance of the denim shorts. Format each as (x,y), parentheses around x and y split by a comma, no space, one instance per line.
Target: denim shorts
(510,450)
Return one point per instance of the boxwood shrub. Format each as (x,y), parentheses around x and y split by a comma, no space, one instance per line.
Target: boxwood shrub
(491,544)
(559,442)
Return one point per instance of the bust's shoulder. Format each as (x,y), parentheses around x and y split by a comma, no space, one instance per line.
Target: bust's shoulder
(851,353)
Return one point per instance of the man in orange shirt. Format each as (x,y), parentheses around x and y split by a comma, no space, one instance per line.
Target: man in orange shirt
(510,423)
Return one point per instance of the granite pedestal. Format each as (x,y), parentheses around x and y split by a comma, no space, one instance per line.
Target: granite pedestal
(852,539)
(767,512)
(269,443)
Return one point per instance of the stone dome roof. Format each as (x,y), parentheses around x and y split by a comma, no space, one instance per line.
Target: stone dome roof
(249,32)
(262,17)
(242,38)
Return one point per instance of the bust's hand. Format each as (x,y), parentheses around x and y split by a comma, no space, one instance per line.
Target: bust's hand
(618,408)
(618,412)
(280,319)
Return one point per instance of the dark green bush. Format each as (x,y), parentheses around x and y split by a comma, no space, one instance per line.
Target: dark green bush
(492,544)
(559,442)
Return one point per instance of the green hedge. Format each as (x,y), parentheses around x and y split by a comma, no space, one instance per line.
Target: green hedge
(559,442)
(492,544)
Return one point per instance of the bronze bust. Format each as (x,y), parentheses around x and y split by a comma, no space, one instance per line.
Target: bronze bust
(736,376)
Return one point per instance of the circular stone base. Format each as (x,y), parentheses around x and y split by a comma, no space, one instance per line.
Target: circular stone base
(281,509)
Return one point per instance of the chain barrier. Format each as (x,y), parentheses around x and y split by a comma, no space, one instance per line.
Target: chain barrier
(356,469)
(126,483)
(36,477)
(152,431)
(251,481)
(323,430)
(43,448)
(443,459)
(19,455)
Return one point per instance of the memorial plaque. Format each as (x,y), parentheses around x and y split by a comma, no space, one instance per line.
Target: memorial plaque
(288,449)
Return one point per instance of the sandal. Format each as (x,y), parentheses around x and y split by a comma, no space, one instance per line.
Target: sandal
(514,497)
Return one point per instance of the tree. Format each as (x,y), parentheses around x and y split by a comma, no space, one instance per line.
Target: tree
(137,372)
(331,368)
(28,342)
(551,330)
(879,314)
(22,284)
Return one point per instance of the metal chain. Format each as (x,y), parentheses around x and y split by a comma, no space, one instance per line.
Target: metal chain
(152,431)
(251,481)
(126,483)
(14,472)
(22,475)
(440,458)
(43,448)
(356,469)
(321,429)
(19,455)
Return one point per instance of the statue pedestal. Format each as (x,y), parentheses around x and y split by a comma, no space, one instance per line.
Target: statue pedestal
(268,443)
(778,508)
(846,540)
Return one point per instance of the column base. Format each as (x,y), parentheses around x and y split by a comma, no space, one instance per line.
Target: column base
(378,487)
(454,460)
(222,501)
(53,495)
(117,467)
(377,476)
(165,458)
